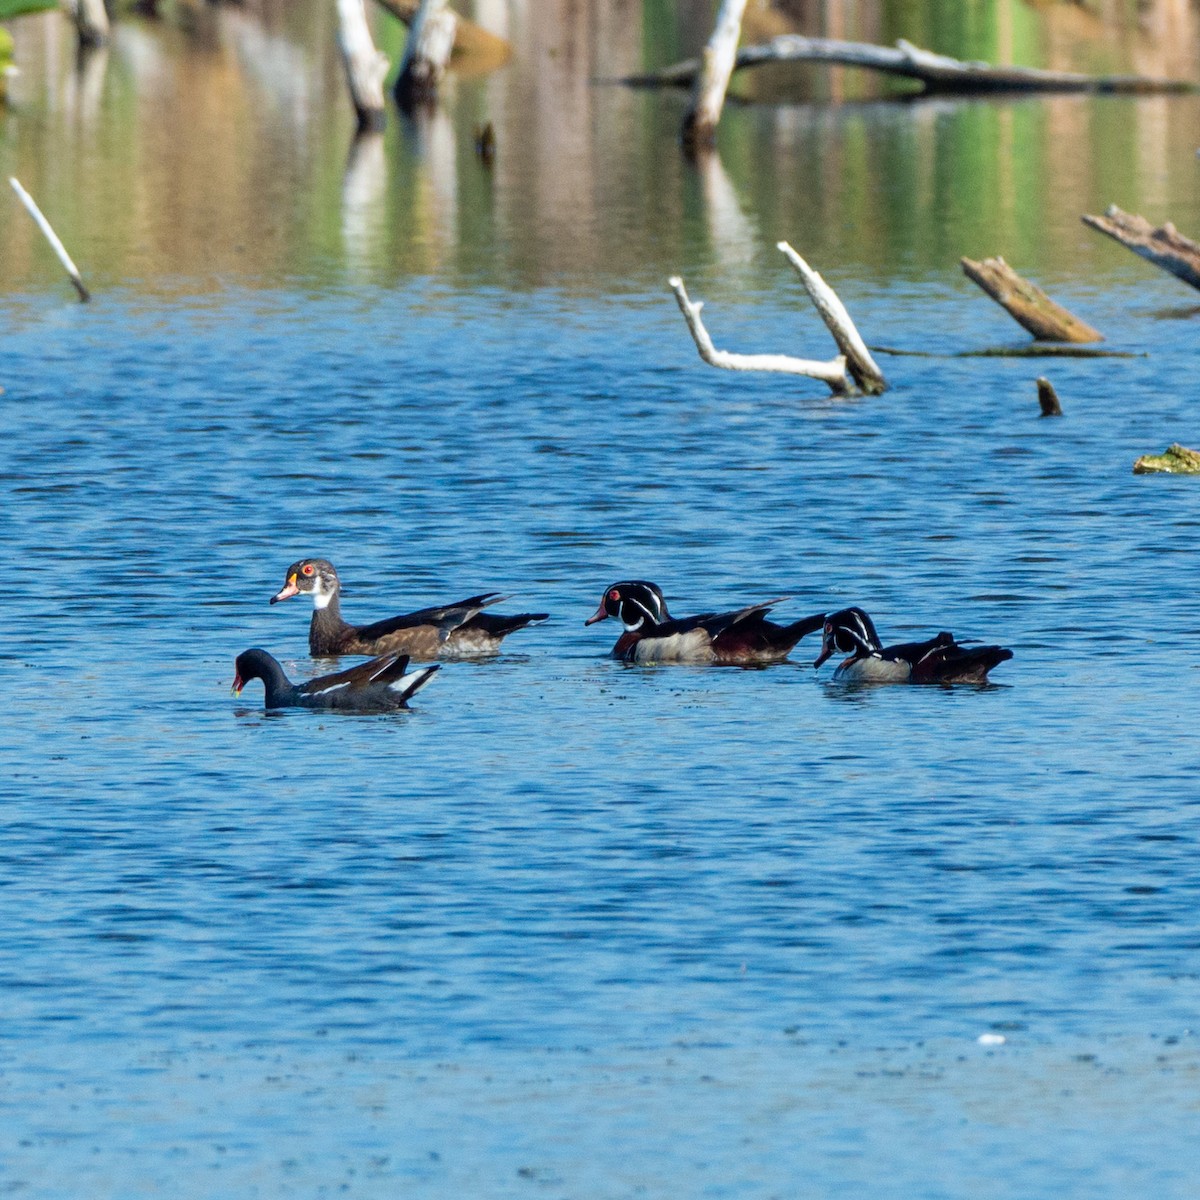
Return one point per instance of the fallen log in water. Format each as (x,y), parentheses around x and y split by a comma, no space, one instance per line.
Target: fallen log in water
(1027,304)
(366,67)
(1165,246)
(1178,460)
(52,237)
(712,80)
(936,72)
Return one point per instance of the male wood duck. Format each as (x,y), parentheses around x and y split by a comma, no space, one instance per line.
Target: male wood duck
(939,660)
(742,638)
(459,630)
(376,686)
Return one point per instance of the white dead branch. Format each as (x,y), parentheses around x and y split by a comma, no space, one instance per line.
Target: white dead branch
(708,98)
(853,368)
(52,237)
(91,21)
(426,53)
(833,312)
(366,66)
(832,373)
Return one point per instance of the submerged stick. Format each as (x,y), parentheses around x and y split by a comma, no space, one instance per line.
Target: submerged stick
(833,312)
(1034,350)
(1048,398)
(708,99)
(1165,246)
(52,237)
(1027,304)
(832,373)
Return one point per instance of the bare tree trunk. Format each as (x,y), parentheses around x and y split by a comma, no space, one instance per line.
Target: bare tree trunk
(91,19)
(430,41)
(1027,304)
(366,67)
(708,99)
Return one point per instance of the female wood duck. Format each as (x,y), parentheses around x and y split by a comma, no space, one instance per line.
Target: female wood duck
(742,638)
(939,660)
(376,686)
(459,630)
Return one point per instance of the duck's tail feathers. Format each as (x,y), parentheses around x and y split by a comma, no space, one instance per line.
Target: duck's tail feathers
(954,663)
(494,625)
(409,685)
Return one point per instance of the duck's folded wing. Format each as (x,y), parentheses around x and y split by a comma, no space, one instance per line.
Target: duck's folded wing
(716,623)
(384,669)
(446,617)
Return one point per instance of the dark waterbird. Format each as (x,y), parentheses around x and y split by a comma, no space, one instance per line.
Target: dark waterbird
(939,659)
(460,630)
(376,686)
(741,638)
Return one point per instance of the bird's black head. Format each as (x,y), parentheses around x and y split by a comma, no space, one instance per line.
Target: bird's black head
(849,631)
(635,603)
(252,664)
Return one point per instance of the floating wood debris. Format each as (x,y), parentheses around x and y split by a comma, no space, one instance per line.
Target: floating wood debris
(936,72)
(52,237)
(712,80)
(366,66)
(426,53)
(854,366)
(1028,304)
(1165,246)
(1177,460)
(1048,398)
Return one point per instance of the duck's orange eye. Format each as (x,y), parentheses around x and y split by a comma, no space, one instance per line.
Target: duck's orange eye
(307,568)
(614,594)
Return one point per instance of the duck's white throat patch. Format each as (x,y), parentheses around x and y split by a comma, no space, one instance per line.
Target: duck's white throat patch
(321,596)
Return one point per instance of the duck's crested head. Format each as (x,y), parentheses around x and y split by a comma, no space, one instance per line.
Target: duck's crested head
(848,631)
(635,603)
(314,576)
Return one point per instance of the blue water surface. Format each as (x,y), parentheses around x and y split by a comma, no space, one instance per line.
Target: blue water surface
(571,928)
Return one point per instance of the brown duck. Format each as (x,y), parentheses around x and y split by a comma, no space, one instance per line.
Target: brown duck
(461,630)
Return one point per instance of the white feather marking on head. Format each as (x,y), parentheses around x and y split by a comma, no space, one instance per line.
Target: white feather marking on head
(641,621)
(321,597)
